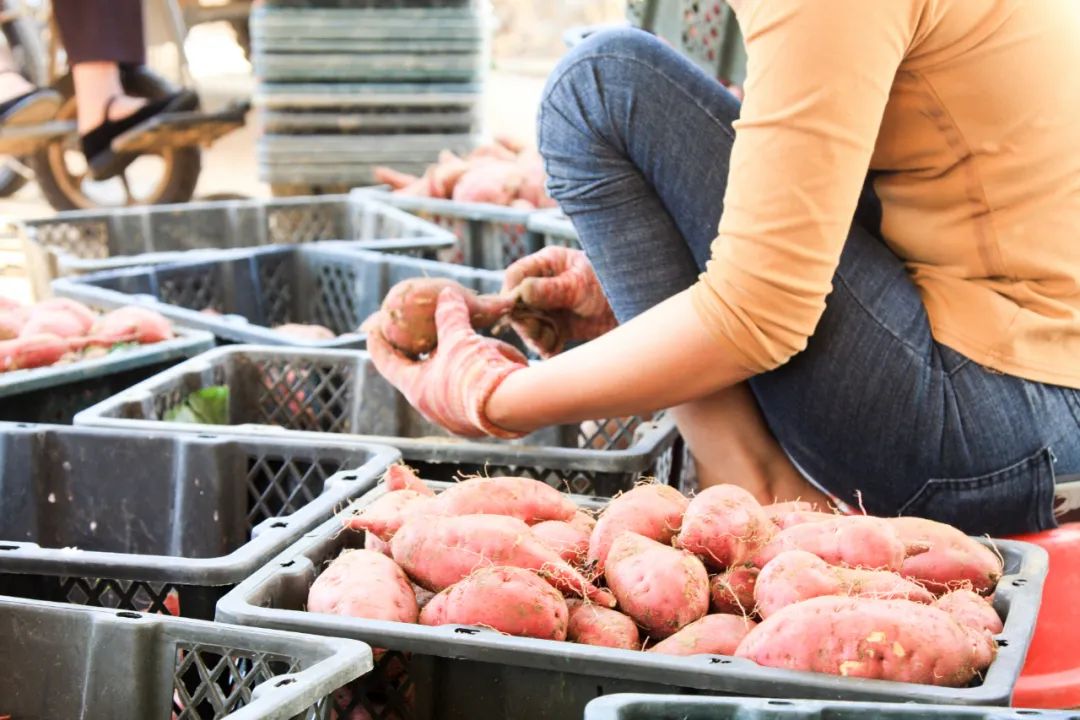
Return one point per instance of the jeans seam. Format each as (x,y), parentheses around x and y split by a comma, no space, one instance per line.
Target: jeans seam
(877,321)
(724,126)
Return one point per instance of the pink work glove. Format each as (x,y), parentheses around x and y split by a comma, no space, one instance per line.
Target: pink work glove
(560,284)
(452,385)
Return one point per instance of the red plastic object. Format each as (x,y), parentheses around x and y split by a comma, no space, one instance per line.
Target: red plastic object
(1051,676)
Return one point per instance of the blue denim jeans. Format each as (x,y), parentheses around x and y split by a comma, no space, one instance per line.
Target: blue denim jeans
(636,142)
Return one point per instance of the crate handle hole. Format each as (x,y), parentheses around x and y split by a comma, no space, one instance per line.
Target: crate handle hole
(284,681)
(288,563)
(23,425)
(129,615)
(350,476)
(279,524)
(467,631)
(207,436)
(720,661)
(1002,642)
(9,547)
(780,702)
(1019,582)
(1028,712)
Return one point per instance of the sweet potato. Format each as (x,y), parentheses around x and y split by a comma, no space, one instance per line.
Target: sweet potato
(528,500)
(31,352)
(661,588)
(953,561)
(583,521)
(508,599)
(970,610)
(654,511)
(795,512)
(365,584)
(53,322)
(595,625)
(571,543)
(402,477)
(12,322)
(711,635)
(131,324)
(408,317)
(732,591)
(395,179)
(850,541)
(867,638)
(385,515)
(797,575)
(86,316)
(495,181)
(724,525)
(376,543)
(438,551)
(305,332)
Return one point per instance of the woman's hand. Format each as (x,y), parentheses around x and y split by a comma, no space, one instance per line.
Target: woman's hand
(561,284)
(452,385)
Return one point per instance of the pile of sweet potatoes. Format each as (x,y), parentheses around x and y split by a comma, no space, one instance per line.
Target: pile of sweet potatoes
(60,331)
(503,172)
(784,585)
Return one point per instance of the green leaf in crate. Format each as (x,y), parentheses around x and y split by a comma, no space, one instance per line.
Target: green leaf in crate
(209,406)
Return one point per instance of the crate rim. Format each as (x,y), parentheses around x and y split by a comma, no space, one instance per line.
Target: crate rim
(340,660)
(1021,600)
(650,445)
(267,539)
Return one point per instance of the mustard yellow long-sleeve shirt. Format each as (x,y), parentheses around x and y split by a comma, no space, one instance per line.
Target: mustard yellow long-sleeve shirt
(970,110)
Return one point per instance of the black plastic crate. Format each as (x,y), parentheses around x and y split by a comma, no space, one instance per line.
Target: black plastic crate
(58,392)
(59,662)
(140,521)
(680,707)
(467,672)
(326,393)
(82,241)
(259,288)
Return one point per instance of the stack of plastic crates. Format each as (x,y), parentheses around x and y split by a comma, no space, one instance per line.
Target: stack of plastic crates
(706,32)
(346,85)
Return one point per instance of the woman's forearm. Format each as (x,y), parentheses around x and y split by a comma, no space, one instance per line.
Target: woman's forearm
(660,359)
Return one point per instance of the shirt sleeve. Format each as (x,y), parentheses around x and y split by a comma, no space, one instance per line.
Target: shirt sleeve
(819,73)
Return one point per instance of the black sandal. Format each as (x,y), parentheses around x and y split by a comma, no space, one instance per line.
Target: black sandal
(105,163)
(37,106)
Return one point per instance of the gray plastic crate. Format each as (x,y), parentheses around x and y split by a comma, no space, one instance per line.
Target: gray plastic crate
(56,393)
(257,289)
(87,241)
(316,394)
(489,236)
(292,96)
(554,228)
(706,31)
(143,521)
(680,707)
(58,662)
(465,672)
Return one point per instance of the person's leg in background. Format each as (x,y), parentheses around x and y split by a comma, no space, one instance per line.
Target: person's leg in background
(624,102)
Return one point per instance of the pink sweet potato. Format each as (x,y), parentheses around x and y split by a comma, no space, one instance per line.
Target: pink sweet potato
(12,322)
(953,561)
(724,525)
(850,541)
(395,179)
(376,543)
(711,635)
(385,515)
(496,181)
(365,584)
(795,512)
(594,625)
(526,499)
(654,511)
(53,322)
(867,638)
(402,477)
(86,316)
(508,599)
(661,588)
(797,575)
(583,521)
(31,352)
(971,610)
(408,317)
(571,543)
(131,324)
(732,591)
(438,551)
(305,332)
